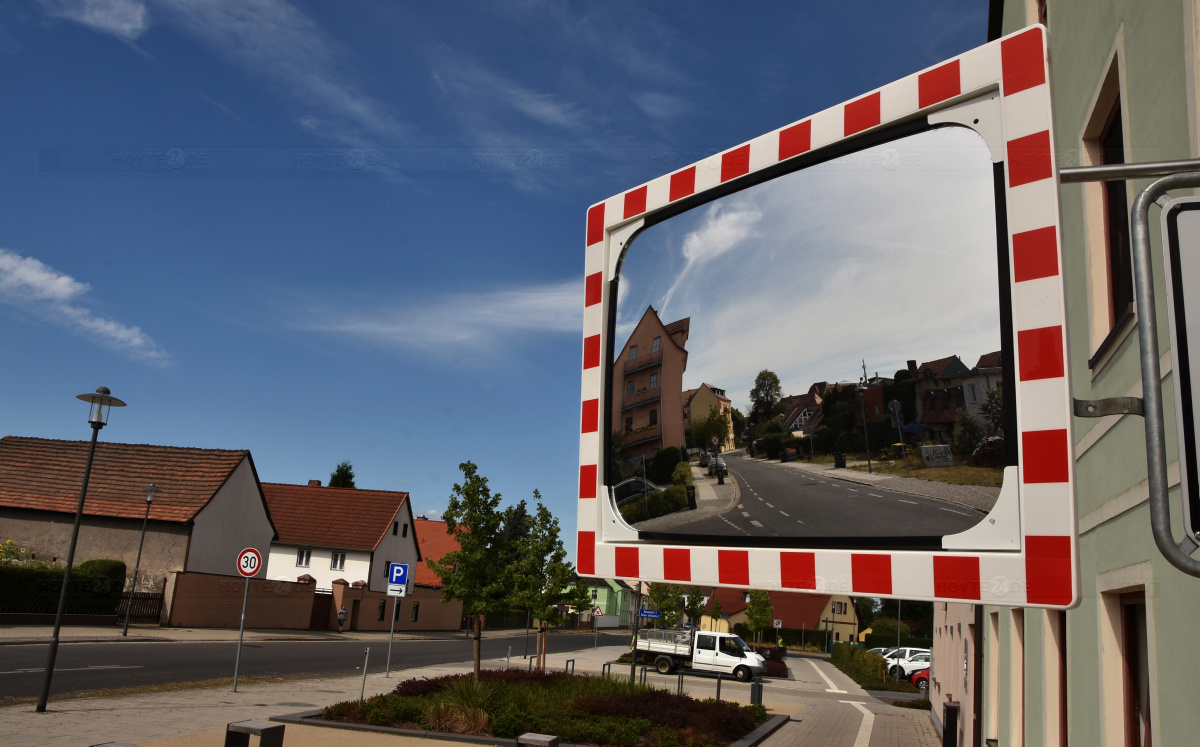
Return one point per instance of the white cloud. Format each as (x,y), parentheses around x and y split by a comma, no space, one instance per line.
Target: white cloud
(31,286)
(478,327)
(433,514)
(661,106)
(125,19)
(726,225)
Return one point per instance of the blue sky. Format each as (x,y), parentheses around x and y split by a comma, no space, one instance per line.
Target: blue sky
(354,230)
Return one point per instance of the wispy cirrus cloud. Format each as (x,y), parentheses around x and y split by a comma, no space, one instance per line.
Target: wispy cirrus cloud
(271,39)
(31,286)
(481,327)
(124,19)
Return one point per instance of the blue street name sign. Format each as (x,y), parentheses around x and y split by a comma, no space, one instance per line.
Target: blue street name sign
(398,574)
(652,614)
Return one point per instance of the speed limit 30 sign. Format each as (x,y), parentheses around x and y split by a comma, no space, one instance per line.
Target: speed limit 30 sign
(249,562)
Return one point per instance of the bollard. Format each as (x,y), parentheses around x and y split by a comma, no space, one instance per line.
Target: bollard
(366,658)
(756,690)
(506,658)
(679,689)
(718,687)
(571,662)
(530,667)
(606,669)
(643,677)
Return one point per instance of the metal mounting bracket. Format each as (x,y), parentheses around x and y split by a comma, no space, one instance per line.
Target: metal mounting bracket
(1099,408)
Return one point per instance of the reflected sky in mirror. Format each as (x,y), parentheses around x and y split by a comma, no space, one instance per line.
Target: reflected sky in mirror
(886,255)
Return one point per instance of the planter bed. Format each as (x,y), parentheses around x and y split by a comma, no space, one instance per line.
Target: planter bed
(577,708)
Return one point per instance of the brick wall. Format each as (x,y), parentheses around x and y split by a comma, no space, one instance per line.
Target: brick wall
(432,614)
(204,600)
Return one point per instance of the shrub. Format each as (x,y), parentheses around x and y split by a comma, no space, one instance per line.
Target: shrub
(990,453)
(920,704)
(682,475)
(95,589)
(725,720)
(772,444)
(850,441)
(660,503)
(743,630)
(866,669)
(968,432)
(662,466)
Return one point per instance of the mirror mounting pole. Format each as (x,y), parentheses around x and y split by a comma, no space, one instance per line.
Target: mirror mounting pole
(1178,554)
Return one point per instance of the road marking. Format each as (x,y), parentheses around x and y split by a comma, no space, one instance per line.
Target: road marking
(785,513)
(864,730)
(758,497)
(832,687)
(76,669)
(904,501)
(745,513)
(770,506)
(852,490)
(755,523)
(960,513)
(799,521)
(740,506)
(874,495)
(735,526)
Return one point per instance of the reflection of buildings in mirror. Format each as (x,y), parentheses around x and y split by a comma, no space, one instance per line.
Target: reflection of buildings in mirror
(698,403)
(648,387)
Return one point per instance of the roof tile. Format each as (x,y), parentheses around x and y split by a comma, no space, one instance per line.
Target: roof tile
(344,518)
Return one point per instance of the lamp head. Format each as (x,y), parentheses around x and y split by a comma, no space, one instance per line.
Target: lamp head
(150,489)
(101,402)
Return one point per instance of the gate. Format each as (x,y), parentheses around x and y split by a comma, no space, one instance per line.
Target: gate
(321,609)
(147,607)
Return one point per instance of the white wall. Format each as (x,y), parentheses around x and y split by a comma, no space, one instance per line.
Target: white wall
(281,565)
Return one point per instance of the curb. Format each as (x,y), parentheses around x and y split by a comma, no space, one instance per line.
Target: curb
(760,734)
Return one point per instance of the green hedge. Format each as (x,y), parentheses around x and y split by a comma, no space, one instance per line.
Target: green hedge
(867,670)
(875,640)
(96,587)
(662,466)
(661,503)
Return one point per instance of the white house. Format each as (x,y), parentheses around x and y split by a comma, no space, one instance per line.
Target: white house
(339,533)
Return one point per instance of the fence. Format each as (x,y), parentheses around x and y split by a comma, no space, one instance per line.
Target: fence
(147,607)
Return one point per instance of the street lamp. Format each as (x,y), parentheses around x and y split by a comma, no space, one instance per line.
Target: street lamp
(101,402)
(150,489)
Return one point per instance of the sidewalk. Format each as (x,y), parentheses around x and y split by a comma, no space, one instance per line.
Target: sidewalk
(828,704)
(711,500)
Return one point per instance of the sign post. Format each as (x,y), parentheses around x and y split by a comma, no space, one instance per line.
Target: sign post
(248,564)
(397,587)
(596,612)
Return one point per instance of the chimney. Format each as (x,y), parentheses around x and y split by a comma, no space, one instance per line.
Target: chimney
(912,366)
(314,483)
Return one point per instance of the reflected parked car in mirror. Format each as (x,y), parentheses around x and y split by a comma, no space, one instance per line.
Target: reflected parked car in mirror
(634,487)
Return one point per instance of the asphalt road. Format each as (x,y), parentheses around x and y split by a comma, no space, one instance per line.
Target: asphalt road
(780,502)
(94,666)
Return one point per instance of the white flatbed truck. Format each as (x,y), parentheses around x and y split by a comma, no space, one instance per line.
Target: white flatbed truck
(700,651)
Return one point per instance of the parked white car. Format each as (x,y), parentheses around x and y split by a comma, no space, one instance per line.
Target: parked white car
(903,662)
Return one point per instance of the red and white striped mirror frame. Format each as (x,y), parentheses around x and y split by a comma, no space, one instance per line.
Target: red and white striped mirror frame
(1043,572)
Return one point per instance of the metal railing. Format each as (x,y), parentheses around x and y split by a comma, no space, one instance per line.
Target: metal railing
(643,362)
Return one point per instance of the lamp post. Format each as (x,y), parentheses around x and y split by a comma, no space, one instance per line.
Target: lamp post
(862,403)
(150,489)
(101,402)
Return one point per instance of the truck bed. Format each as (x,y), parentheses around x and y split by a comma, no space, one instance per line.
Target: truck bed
(672,642)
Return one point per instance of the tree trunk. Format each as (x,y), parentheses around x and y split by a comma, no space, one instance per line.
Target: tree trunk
(477,635)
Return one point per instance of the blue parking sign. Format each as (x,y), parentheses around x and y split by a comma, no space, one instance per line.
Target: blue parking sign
(398,574)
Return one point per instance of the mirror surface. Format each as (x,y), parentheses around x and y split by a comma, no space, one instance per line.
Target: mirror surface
(770,302)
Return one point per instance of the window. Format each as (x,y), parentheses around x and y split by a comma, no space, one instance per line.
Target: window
(382,608)
(396,608)
(404,533)
(657,345)
(1137,669)
(1120,261)
(416,608)
(632,352)
(745,597)
(395,528)
(708,642)
(338,561)
(595,594)
(653,418)
(654,381)
(628,425)
(303,558)
(629,388)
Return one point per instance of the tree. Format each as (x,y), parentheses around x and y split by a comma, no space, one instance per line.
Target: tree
(516,530)
(667,599)
(342,476)
(993,411)
(716,608)
(616,463)
(739,426)
(693,605)
(477,573)
(542,578)
(701,431)
(764,397)
(759,612)
(968,432)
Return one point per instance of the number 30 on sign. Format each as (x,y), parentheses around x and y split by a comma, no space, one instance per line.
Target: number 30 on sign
(249,562)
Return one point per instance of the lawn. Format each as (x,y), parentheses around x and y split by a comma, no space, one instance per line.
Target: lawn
(959,474)
(577,708)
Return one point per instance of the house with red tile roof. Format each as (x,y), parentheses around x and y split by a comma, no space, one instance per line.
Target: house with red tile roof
(208,506)
(332,534)
(647,381)
(697,403)
(832,612)
(988,373)
(435,542)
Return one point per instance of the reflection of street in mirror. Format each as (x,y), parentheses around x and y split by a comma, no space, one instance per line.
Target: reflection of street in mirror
(809,303)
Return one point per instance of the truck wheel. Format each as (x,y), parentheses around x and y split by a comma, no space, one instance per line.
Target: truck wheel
(664,665)
(742,674)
